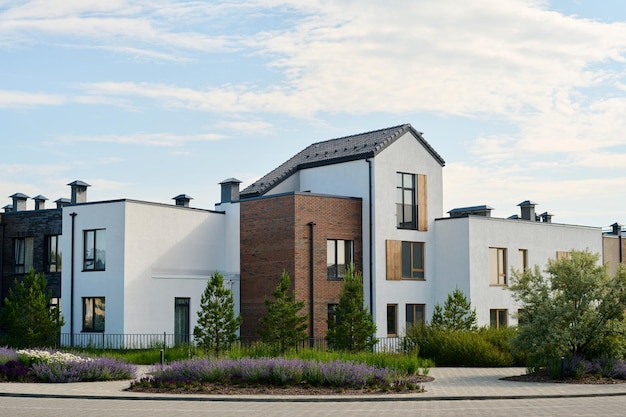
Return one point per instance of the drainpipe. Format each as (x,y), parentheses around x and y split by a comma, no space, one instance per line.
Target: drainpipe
(619,233)
(73,215)
(371,240)
(312,287)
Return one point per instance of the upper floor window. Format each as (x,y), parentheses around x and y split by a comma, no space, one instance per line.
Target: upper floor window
(95,250)
(22,254)
(522,261)
(53,253)
(497,266)
(411,201)
(338,257)
(405,260)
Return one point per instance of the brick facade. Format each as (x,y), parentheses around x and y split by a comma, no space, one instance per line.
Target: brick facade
(276,236)
(32,223)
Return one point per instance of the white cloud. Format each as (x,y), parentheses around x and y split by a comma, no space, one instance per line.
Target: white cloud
(25,99)
(148,139)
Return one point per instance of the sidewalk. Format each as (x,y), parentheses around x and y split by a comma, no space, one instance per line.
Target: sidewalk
(449,384)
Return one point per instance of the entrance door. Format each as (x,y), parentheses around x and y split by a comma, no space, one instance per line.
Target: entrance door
(181,320)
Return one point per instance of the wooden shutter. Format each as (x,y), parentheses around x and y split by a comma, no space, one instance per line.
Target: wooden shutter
(422,203)
(394,259)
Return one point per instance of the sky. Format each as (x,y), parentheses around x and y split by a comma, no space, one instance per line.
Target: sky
(524,99)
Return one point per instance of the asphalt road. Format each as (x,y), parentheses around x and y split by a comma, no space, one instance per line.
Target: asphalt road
(566,407)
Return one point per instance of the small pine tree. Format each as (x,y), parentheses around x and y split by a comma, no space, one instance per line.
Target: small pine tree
(27,316)
(456,314)
(217,325)
(283,327)
(352,328)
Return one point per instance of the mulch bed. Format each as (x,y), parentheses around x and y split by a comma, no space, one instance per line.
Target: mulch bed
(544,376)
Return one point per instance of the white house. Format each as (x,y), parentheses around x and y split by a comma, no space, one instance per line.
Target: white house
(134,267)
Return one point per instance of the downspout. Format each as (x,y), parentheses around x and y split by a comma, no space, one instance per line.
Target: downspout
(312,287)
(371,240)
(73,215)
(620,244)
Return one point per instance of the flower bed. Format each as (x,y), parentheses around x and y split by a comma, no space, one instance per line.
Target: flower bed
(48,366)
(201,375)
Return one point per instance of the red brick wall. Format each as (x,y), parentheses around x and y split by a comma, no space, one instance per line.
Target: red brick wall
(276,236)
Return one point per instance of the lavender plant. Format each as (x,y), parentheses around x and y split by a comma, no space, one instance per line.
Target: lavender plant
(100,369)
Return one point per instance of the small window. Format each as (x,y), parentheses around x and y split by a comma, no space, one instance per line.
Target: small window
(95,250)
(522,260)
(339,255)
(392,320)
(332,314)
(22,255)
(499,318)
(415,315)
(93,314)
(497,266)
(521,317)
(53,253)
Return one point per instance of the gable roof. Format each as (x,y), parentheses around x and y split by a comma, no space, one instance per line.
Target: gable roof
(334,151)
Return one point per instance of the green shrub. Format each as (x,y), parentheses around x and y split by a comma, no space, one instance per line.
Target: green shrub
(462,348)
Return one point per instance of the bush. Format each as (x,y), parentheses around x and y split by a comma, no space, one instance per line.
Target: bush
(14,370)
(462,348)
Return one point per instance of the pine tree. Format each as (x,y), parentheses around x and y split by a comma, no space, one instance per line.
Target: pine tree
(283,327)
(27,316)
(217,325)
(352,328)
(456,314)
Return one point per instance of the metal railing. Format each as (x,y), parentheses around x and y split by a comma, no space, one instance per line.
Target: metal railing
(109,341)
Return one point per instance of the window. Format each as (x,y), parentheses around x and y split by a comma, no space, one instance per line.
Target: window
(392,320)
(332,314)
(411,201)
(53,253)
(181,320)
(338,257)
(499,318)
(415,315)
(22,255)
(95,250)
(405,260)
(497,266)
(562,255)
(522,260)
(93,314)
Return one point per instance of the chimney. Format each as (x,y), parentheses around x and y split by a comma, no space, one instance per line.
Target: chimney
(19,201)
(62,202)
(230,190)
(40,202)
(79,192)
(528,210)
(616,229)
(182,200)
(8,208)
(546,217)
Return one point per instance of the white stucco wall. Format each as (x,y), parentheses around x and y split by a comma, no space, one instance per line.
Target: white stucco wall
(463,260)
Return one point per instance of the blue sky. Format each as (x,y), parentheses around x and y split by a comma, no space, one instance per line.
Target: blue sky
(524,99)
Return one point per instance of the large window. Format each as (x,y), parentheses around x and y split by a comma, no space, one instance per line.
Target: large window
(405,260)
(411,201)
(95,250)
(338,257)
(53,253)
(415,315)
(93,314)
(392,320)
(22,255)
(497,266)
(499,317)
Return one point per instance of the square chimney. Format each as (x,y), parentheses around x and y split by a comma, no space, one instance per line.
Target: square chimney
(230,190)
(79,192)
(528,210)
(19,201)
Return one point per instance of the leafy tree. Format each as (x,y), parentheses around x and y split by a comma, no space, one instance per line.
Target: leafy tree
(352,328)
(283,327)
(456,314)
(27,316)
(576,310)
(217,325)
